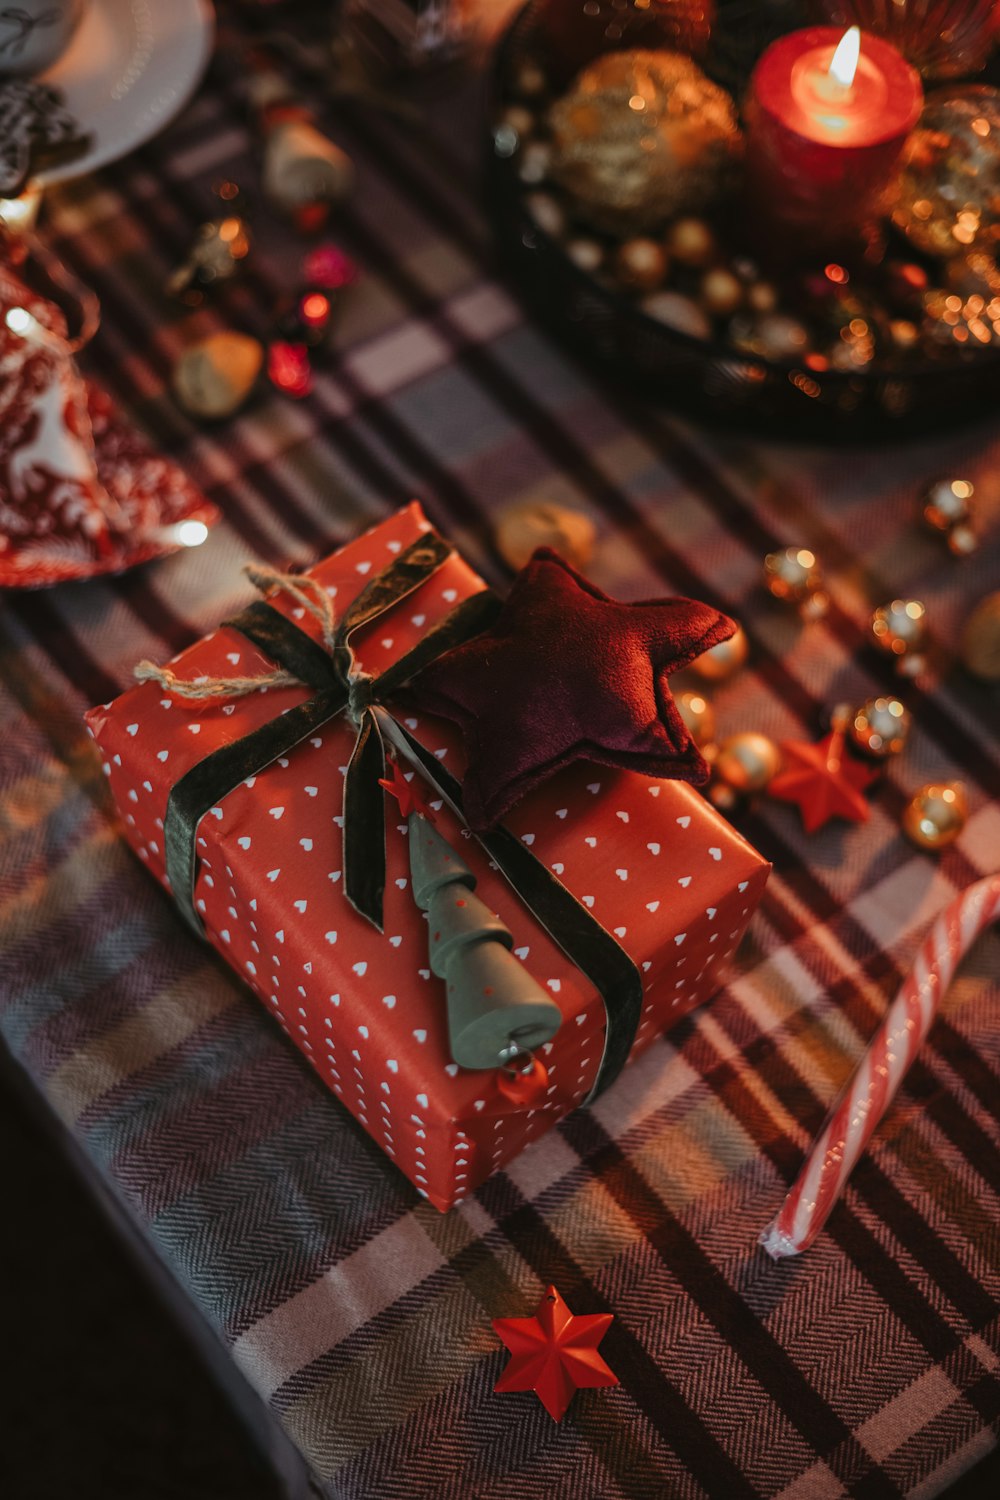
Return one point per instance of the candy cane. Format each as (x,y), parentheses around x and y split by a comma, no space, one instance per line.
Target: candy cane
(849,1125)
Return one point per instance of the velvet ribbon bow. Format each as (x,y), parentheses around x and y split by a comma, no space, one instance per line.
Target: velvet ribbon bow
(340,687)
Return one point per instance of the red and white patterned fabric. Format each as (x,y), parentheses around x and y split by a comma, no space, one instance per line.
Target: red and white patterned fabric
(80,492)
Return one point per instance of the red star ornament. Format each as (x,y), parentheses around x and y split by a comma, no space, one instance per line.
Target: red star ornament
(554,1353)
(823,782)
(565,674)
(407,793)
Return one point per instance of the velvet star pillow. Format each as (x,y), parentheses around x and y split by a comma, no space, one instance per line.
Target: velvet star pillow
(567,674)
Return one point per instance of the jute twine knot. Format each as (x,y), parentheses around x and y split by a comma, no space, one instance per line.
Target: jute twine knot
(311,596)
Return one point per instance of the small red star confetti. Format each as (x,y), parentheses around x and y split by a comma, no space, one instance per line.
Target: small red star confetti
(823,782)
(554,1353)
(406,793)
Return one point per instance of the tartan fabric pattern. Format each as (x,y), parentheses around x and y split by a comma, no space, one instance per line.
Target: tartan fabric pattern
(870,1368)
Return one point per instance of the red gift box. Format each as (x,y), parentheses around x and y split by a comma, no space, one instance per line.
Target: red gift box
(651,860)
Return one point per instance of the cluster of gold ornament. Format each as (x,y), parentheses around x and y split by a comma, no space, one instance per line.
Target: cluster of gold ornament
(743,765)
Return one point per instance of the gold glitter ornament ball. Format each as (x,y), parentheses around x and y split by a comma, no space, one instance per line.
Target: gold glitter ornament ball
(949,193)
(935,815)
(746,762)
(642,137)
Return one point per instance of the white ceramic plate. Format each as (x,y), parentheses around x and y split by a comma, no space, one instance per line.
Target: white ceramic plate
(129,68)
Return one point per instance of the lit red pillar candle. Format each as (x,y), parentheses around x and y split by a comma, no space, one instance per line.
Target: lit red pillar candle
(827,116)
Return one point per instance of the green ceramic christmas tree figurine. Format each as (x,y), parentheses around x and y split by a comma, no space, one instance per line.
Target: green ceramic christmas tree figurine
(493,1002)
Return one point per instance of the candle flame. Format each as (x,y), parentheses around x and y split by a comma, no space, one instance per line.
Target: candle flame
(844,63)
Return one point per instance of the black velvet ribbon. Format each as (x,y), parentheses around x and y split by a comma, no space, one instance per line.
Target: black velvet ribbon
(339,688)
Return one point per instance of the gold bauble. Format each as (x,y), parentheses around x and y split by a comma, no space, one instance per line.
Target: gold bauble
(880,727)
(691,242)
(528,524)
(641,137)
(946,502)
(947,509)
(746,762)
(762,297)
(949,187)
(962,540)
(722,660)
(586,253)
(641,264)
(936,814)
(721,292)
(214,377)
(698,716)
(793,575)
(980,647)
(899,628)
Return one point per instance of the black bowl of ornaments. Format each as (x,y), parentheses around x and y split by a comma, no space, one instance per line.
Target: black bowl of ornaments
(622,207)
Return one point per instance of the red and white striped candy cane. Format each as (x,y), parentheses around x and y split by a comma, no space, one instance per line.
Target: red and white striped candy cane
(849,1125)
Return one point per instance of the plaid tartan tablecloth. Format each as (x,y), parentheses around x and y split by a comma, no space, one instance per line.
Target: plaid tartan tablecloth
(359,1314)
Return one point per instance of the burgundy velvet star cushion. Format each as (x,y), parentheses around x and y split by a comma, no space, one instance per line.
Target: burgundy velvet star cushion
(566,674)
